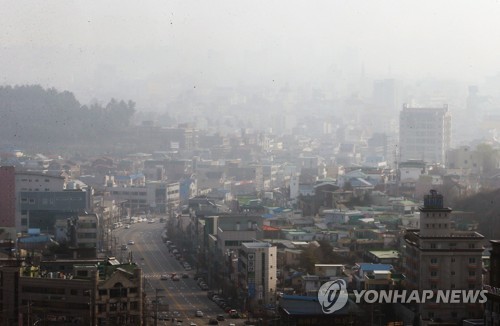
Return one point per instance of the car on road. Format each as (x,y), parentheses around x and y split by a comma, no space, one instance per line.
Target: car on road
(185,275)
(131,242)
(176,278)
(220,318)
(127,226)
(194,324)
(213,321)
(164,277)
(163,316)
(124,247)
(198,313)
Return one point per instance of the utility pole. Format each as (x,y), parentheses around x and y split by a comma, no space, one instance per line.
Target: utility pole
(156,305)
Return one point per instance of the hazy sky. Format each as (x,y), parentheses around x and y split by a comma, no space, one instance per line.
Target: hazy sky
(146,49)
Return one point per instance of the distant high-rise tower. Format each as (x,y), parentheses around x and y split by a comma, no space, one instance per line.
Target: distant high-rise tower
(436,257)
(424,134)
(385,95)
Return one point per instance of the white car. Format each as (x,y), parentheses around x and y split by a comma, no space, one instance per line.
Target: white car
(164,277)
(131,242)
(199,313)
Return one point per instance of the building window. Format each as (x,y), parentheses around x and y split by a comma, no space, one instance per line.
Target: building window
(434,261)
(433,273)
(452,260)
(472,260)
(433,246)
(471,246)
(472,273)
(73,292)
(452,272)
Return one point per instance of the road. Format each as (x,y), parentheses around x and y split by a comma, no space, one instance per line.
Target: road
(152,255)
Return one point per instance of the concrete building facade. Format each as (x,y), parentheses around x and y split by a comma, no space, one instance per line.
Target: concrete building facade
(424,134)
(7,197)
(258,268)
(492,306)
(439,258)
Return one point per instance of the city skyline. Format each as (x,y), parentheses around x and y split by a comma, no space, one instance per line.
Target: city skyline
(151,52)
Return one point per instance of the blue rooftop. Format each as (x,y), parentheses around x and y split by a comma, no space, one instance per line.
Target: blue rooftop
(374,267)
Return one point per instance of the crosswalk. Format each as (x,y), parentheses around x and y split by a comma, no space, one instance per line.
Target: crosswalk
(153,276)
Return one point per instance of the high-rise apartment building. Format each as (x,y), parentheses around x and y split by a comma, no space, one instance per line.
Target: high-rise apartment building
(424,134)
(440,258)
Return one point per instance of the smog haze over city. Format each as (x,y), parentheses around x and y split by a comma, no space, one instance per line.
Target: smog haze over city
(260,162)
(153,51)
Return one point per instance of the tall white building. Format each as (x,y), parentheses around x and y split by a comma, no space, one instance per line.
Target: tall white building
(258,272)
(424,134)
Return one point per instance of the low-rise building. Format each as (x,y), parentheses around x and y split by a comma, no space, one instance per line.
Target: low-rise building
(257,266)
(85,293)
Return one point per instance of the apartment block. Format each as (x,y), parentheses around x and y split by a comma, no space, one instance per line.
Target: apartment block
(424,134)
(258,268)
(437,257)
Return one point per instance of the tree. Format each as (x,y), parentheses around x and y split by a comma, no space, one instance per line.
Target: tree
(308,258)
(489,157)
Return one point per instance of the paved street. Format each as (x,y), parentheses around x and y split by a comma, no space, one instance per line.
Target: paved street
(183,297)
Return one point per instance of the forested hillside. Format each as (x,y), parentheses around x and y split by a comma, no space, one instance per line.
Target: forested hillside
(34,118)
(486,206)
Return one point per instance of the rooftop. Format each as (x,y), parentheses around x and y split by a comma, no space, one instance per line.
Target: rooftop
(256,244)
(385,253)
